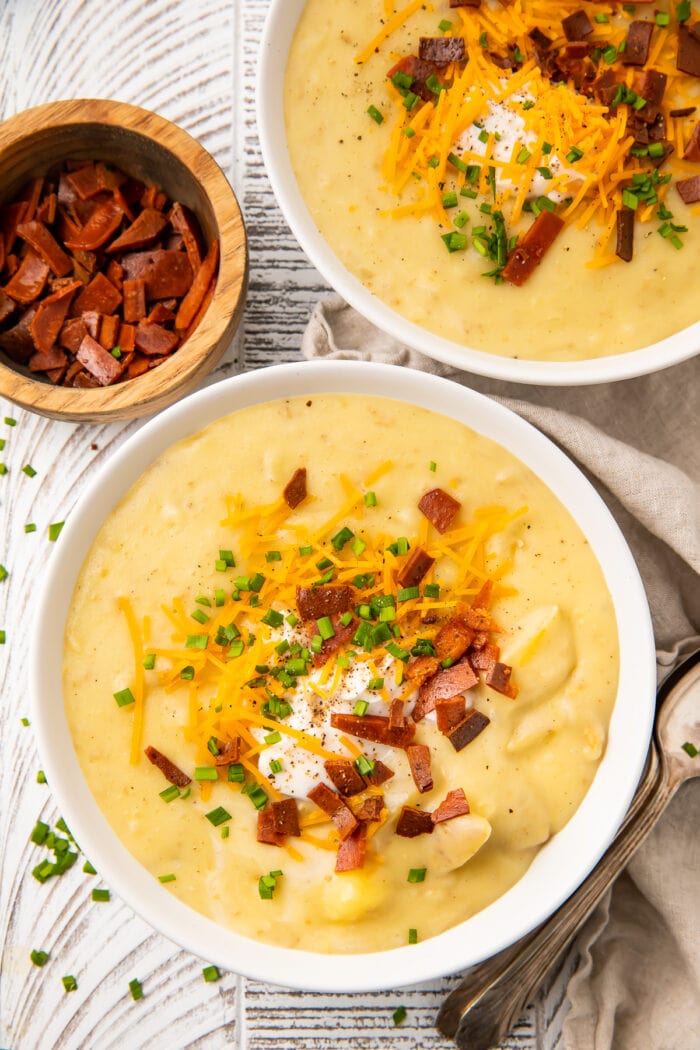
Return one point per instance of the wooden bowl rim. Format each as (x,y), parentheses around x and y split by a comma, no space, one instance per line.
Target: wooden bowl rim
(161,385)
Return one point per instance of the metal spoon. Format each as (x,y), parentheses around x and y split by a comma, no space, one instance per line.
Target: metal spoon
(483,1009)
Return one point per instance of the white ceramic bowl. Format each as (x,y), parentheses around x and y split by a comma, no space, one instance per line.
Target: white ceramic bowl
(282,19)
(562,863)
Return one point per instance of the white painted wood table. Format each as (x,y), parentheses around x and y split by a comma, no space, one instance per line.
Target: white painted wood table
(194,61)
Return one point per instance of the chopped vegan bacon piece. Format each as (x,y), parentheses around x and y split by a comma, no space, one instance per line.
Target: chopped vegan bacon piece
(414,568)
(650,85)
(453,805)
(344,776)
(421,72)
(577,26)
(528,253)
(99,362)
(44,244)
(182,221)
(7,305)
(637,44)
(414,822)
(49,317)
(689,189)
(286,817)
(334,807)
(294,491)
(98,229)
(443,686)
(453,639)
(316,602)
(27,283)
(352,850)
(154,339)
(483,659)
(449,712)
(465,3)
(379,775)
(230,752)
(373,727)
(99,295)
(371,808)
(442,49)
(419,760)
(692,150)
(266,828)
(688,57)
(397,718)
(134,299)
(624,247)
(468,729)
(169,770)
(194,298)
(48,361)
(439,508)
(165,273)
(144,230)
(498,677)
(421,668)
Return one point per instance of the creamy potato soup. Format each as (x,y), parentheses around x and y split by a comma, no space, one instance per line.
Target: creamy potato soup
(370,656)
(429,140)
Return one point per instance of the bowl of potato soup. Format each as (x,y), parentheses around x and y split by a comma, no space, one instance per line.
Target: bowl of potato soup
(343,675)
(510,192)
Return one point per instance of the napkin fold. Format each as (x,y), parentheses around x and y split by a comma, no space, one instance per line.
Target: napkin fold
(637,986)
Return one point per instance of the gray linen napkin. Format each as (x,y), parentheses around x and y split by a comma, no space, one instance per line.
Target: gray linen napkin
(637,986)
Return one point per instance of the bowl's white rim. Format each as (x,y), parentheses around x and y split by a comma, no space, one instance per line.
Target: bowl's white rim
(562,863)
(279,28)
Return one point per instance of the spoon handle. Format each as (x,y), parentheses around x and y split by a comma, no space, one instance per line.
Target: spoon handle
(483,1009)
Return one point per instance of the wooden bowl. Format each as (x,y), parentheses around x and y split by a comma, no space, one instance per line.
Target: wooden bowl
(152,149)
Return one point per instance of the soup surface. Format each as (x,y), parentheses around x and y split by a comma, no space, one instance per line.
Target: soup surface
(421,195)
(222,668)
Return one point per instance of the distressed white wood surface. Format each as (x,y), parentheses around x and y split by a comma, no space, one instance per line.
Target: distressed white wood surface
(194,61)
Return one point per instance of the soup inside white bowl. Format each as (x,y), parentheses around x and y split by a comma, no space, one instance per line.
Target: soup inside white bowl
(465,861)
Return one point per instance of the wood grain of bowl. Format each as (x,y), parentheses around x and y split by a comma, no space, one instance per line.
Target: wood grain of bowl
(154,150)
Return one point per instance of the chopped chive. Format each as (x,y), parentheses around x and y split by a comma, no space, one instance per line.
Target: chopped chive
(167,878)
(409,132)
(43,871)
(228,557)
(546,173)
(325,627)
(682,15)
(236,773)
(10,421)
(461,220)
(449,200)
(305,551)
(405,594)
(346,619)
(574,154)
(413,936)
(28,469)
(358,546)
(219,597)
(375,683)
(528,104)
(483,135)
(69,983)
(340,539)
(135,989)
(88,868)
(218,816)
(292,620)
(3,637)
(199,616)
(370,499)
(213,746)
(100,895)
(454,242)
(630,200)
(431,590)
(360,707)
(399,1015)
(273,738)
(601,18)
(523,156)
(211,973)
(376,116)
(24,721)
(256,795)
(55,530)
(663,18)
(324,563)
(273,618)
(39,833)
(196,641)
(656,149)
(149,661)
(609,54)
(220,565)
(397,651)
(434,161)
(39,958)
(364,766)
(169,794)
(206,773)
(225,831)
(41,776)
(483,39)
(256,582)
(3,469)
(417,874)
(2,444)
(273,556)
(275,766)
(690,749)
(316,644)
(124,697)
(444,25)
(187,673)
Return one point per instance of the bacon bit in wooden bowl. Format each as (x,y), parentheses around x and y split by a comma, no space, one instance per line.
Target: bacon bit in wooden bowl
(123,261)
